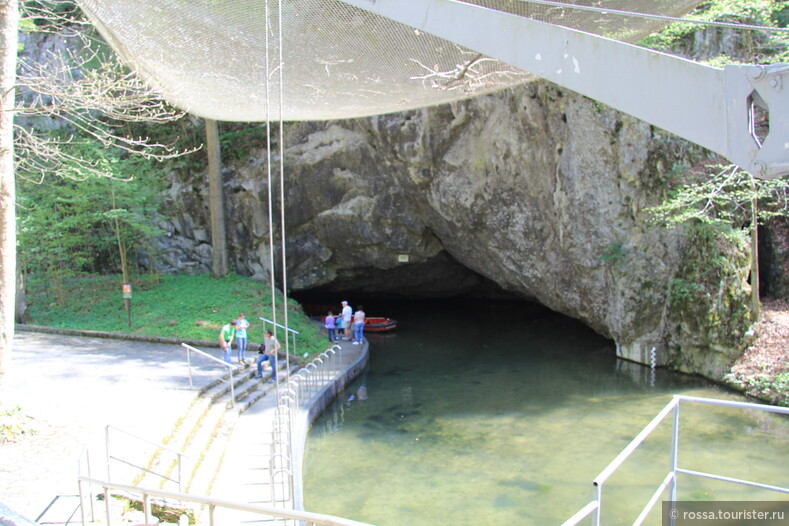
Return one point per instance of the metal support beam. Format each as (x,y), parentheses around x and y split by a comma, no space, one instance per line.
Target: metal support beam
(711,107)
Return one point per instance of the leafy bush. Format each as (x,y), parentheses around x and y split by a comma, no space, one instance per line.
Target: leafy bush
(79,222)
(764,384)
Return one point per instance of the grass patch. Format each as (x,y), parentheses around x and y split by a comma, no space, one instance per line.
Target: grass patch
(182,307)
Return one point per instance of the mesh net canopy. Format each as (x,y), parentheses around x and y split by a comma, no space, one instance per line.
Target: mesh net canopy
(209,57)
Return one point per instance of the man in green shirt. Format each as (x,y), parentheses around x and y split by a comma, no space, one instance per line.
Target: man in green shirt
(226,336)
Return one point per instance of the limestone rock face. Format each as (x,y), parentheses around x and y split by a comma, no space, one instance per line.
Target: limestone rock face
(535,189)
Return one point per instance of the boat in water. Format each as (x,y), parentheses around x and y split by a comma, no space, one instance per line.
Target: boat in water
(377,324)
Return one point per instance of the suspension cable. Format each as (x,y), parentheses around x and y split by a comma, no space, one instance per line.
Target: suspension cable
(280,68)
(269,185)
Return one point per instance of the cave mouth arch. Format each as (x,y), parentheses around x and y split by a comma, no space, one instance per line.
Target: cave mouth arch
(438,279)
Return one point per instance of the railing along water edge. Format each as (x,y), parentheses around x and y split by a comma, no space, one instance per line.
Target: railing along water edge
(594,507)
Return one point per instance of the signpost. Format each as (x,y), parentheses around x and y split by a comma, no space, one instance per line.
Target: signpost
(126,289)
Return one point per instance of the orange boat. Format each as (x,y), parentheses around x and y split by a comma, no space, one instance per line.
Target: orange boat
(379,324)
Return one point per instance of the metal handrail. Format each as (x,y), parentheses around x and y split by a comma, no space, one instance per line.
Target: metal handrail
(311,518)
(230,367)
(733,480)
(299,387)
(179,455)
(85,454)
(287,330)
(633,445)
(594,507)
(582,513)
(668,482)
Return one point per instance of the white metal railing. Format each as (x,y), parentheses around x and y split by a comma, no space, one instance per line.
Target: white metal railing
(229,366)
(310,518)
(594,508)
(83,460)
(287,330)
(299,388)
(158,447)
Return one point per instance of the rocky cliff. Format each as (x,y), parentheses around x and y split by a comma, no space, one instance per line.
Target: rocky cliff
(537,190)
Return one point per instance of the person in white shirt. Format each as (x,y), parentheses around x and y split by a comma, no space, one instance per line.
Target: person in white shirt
(358,325)
(347,314)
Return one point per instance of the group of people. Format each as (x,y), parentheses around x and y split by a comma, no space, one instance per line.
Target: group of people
(349,322)
(237,330)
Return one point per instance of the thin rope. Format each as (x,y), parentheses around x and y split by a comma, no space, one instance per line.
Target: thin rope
(280,68)
(270,200)
(655,17)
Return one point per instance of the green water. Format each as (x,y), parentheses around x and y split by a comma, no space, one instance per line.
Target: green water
(483,414)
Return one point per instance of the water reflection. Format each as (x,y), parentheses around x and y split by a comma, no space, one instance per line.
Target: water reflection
(500,418)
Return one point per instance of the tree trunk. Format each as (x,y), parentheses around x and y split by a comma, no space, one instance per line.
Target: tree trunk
(9,37)
(216,200)
(22,315)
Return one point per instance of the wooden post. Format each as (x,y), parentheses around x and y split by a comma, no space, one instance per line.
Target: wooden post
(216,200)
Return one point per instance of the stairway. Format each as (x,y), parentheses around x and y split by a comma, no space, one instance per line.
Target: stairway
(202,435)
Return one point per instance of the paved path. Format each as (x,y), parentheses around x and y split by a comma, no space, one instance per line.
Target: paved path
(245,475)
(73,387)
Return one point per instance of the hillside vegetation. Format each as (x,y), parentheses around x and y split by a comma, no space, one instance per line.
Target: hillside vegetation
(181,307)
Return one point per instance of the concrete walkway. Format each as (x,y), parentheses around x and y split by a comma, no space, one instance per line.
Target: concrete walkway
(73,387)
(245,475)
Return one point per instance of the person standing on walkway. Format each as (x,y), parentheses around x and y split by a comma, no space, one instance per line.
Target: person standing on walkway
(331,326)
(347,314)
(358,325)
(242,324)
(268,351)
(226,335)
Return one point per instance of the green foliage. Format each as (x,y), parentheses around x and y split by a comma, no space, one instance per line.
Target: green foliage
(723,199)
(45,13)
(67,225)
(781,15)
(765,384)
(613,254)
(684,291)
(709,290)
(760,48)
(237,139)
(184,307)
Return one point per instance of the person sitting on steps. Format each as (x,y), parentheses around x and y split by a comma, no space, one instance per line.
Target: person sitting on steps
(268,352)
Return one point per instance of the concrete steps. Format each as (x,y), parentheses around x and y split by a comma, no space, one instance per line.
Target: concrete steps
(203,432)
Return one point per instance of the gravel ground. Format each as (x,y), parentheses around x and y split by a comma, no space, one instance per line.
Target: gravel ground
(769,355)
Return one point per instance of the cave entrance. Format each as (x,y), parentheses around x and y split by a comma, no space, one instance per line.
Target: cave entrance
(441,277)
